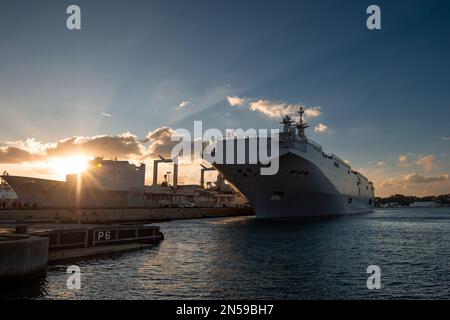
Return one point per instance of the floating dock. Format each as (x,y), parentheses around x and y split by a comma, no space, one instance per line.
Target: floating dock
(73,242)
(26,253)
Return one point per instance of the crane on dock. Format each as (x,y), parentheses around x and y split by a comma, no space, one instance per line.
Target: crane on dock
(155,170)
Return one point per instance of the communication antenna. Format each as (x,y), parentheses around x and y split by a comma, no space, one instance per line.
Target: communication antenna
(287,123)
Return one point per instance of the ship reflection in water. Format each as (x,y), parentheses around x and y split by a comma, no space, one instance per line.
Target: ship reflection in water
(240,258)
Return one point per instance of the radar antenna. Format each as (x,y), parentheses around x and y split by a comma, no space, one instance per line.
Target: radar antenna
(287,123)
(301,125)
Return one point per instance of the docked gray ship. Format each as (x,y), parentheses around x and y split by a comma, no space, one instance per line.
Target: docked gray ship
(119,184)
(309,182)
(104,184)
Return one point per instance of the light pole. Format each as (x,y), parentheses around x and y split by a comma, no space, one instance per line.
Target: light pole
(170,193)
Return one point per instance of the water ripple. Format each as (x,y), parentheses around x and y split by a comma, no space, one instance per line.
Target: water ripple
(242,258)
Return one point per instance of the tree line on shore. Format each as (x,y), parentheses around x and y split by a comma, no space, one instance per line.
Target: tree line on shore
(403,200)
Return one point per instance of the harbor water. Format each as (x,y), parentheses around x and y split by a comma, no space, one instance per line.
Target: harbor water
(244,258)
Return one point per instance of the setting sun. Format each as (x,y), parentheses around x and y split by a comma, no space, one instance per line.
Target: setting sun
(70,165)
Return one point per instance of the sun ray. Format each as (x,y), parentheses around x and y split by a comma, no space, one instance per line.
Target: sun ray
(74,164)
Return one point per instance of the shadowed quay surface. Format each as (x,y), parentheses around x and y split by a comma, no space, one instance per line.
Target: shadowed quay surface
(239,258)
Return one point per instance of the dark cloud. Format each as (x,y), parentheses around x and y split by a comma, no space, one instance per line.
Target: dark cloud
(125,146)
(417,178)
(16,155)
(122,146)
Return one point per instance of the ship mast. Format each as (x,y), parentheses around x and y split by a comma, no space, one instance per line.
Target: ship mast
(301,125)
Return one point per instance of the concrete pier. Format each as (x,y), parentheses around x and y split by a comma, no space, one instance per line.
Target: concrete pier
(22,257)
(103,216)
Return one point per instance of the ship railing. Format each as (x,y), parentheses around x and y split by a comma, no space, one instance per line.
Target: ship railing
(317,146)
(335,157)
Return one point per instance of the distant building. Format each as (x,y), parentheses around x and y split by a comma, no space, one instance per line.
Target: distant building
(392,205)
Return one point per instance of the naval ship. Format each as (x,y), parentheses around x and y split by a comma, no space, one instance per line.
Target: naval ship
(104,184)
(309,182)
(115,184)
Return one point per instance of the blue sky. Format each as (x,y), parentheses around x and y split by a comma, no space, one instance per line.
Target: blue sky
(382,93)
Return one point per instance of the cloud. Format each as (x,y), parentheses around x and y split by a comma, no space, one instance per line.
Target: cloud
(16,155)
(280,109)
(381,163)
(274,109)
(160,142)
(414,183)
(411,179)
(31,145)
(235,101)
(123,146)
(34,158)
(321,128)
(426,162)
(446,138)
(403,158)
(387,184)
(416,178)
(184,104)
(108,115)
(313,112)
